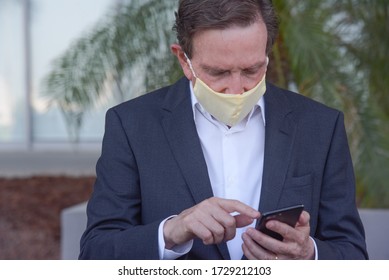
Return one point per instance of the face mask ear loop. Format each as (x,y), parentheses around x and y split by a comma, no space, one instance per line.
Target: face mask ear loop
(190,65)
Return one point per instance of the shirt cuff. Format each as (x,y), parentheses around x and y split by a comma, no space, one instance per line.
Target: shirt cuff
(177,251)
(316,254)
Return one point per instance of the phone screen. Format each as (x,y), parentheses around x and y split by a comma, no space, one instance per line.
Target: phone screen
(288,215)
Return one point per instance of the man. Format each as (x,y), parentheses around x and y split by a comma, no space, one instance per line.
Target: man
(185,169)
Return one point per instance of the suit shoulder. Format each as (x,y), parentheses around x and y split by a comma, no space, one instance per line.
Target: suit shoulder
(301,103)
(153,101)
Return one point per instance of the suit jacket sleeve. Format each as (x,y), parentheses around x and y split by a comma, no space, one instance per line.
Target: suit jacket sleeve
(339,233)
(114,229)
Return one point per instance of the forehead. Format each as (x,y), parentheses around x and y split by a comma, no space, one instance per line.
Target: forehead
(231,46)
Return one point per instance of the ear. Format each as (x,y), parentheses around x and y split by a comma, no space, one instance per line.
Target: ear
(179,53)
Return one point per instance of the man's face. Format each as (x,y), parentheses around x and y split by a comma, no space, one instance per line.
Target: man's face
(232,60)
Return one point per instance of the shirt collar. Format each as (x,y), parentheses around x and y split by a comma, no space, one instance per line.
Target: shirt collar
(196,104)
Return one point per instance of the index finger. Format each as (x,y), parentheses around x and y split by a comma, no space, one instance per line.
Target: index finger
(233,205)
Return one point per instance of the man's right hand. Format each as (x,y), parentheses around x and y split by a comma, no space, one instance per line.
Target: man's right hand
(211,221)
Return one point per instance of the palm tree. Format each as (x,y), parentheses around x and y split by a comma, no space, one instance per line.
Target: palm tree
(333,51)
(130,45)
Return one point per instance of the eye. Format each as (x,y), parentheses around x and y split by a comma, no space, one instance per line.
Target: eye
(218,73)
(251,71)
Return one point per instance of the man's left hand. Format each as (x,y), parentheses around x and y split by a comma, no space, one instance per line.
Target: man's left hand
(296,243)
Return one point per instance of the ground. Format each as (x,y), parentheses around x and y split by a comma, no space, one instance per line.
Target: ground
(30,211)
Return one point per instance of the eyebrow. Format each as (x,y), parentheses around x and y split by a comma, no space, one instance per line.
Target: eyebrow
(255,66)
(215,69)
(212,69)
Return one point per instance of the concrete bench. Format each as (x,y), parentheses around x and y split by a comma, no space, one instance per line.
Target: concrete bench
(376,223)
(73,224)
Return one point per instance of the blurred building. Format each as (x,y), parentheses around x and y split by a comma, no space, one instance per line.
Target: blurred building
(33,135)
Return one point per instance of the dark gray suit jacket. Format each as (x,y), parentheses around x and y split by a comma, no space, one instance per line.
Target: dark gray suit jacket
(152,166)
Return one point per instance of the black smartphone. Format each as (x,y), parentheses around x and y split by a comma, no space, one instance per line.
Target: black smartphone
(288,215)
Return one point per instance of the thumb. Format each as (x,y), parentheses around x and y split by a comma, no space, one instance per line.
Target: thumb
(304,219)
(242,220)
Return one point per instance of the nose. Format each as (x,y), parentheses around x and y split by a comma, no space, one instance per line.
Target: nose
(236,85)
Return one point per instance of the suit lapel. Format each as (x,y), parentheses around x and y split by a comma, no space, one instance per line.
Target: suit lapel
(181,133)
(279,138)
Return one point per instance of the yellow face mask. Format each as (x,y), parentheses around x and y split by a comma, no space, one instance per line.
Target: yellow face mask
(229,109)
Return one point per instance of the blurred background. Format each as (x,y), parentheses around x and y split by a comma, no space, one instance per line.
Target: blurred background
(64,62)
